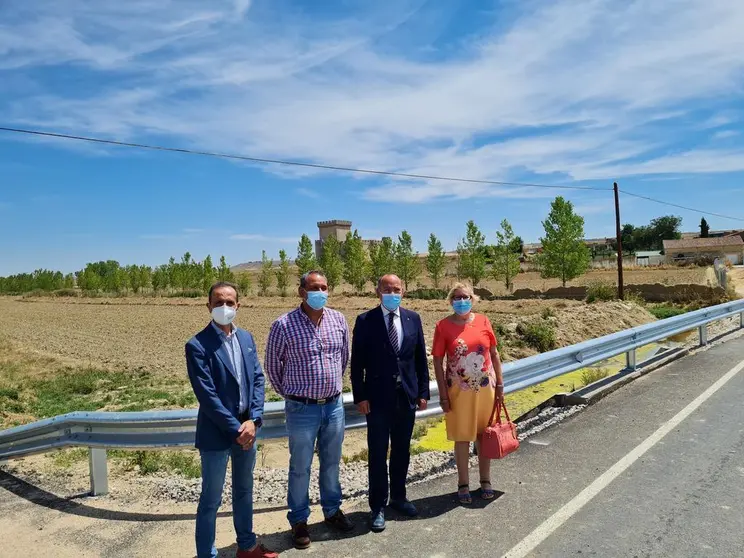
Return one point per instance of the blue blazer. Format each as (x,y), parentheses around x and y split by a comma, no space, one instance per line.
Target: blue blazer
(374,363)
(216,387)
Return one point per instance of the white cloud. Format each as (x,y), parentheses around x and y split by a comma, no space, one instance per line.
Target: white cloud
(307,192)
(578,90)
(264,238)
(723,134)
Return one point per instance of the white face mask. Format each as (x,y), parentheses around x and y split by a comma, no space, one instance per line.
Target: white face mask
(223,315)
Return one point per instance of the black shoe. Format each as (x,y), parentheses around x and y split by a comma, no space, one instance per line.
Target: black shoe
(300,536)
(377,521)
(404,507)
(340,522)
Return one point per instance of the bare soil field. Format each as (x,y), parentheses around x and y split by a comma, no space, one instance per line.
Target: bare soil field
(149,333)
(532,280)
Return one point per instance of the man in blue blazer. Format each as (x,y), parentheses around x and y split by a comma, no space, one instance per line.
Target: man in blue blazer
(228,382)
(390,380)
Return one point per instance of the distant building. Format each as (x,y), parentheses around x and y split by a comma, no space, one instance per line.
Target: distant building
(688,249)
(338,228)
(649,258)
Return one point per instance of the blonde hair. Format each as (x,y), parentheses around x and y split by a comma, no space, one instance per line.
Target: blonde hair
(467,289)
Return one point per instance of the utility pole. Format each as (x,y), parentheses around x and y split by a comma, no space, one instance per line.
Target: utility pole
(620,287)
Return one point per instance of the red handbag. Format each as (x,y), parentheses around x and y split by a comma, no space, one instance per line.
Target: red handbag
(499,439)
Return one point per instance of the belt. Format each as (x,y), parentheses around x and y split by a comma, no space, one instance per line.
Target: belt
(309,401)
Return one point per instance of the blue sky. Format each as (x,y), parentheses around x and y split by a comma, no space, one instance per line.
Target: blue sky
(585,92)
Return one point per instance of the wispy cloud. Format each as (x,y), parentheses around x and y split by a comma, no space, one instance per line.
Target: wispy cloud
(306,192)
(265,238)
(574,90)
(723,134)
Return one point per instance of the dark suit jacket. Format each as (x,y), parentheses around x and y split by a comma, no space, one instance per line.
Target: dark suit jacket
(215,384)
(374,363)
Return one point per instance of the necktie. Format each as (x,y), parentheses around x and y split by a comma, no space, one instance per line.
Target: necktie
(392,332)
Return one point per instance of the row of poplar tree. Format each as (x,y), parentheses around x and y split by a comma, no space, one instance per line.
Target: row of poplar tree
(564,255)
(187,275)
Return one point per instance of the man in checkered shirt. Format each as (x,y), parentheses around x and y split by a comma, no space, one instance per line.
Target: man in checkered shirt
(306,355)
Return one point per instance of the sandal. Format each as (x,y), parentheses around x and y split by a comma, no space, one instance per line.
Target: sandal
(487,493)
(463,494)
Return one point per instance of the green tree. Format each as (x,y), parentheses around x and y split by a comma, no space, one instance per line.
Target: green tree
(134,278)
(245,284)
(330,261)
(305,256)
(506,255)
(224,273)
(208,274)
(69,281)
(472,254)
(565,255)
(160,278)
(355,262)
(436,260)
(407,263)
(145,277)
(282,274)
(704,228)
(381,259)
(266,274)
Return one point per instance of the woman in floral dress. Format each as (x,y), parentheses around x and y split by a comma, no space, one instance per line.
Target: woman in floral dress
(470,383)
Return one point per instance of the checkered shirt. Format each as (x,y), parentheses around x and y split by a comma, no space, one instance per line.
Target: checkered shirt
(304,360)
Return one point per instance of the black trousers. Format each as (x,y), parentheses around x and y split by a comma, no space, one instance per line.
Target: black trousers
(392,426)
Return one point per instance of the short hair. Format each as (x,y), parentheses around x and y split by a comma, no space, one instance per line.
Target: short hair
(304,277)
(379,281)
(221,284)
(462,287)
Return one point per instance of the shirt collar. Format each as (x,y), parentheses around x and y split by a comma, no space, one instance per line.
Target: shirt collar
(385,311)
(222,333)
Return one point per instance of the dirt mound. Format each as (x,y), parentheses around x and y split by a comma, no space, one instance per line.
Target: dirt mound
(583,322)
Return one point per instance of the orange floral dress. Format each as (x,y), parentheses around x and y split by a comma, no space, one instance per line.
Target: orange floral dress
(471,379)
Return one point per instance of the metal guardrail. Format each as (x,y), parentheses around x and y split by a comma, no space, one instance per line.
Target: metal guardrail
(100,431)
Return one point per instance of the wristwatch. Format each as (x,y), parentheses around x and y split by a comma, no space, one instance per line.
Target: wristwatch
(258,422)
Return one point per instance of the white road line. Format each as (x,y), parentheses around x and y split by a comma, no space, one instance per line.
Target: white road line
(550,525)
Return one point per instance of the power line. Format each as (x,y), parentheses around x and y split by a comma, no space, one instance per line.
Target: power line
(292,163)
(682,206)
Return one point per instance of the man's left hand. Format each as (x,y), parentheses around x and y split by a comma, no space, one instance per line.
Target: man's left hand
(247,434)
(422,404)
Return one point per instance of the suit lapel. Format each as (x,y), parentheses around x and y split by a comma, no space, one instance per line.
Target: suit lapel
(246,350)
(223,355)
(407,326)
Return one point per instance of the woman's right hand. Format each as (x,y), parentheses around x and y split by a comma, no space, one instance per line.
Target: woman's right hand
(446,406)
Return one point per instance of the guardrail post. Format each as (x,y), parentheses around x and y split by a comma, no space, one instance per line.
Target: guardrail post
(742,320)
(703,329)
(630,359)
(98,472)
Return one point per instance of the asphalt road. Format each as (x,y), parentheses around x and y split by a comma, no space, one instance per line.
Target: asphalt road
(683,496)
(654,469)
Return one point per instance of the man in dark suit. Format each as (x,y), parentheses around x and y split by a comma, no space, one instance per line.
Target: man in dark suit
(228,382)
(390,380)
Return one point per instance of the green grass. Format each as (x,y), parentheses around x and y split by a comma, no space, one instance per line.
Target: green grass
(664,311)
(363,455)
(185,462)
(591,375)
(539,335)
(600,291)
(65,459)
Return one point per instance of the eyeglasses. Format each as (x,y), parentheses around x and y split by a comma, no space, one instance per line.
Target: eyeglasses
(461,297)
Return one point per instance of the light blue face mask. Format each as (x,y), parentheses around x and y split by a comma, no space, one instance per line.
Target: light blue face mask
(317,299)
(462,307)
(391,301)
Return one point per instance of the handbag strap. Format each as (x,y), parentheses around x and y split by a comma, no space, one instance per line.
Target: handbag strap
(497,407)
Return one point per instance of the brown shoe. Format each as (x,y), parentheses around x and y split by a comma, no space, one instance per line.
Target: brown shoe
(260,551)
(340,522)
(300,535)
